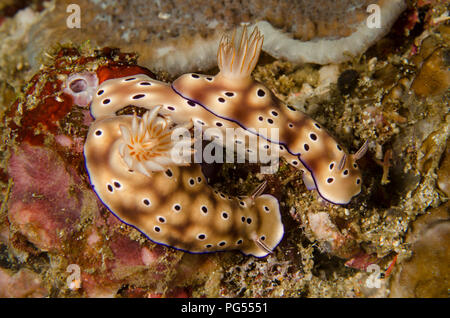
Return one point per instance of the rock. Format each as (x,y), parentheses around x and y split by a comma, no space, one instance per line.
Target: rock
(443,173)
(434,76)
(426,274)
(45,202)
(347,81)
(330,238)
(24,283)
(328,74)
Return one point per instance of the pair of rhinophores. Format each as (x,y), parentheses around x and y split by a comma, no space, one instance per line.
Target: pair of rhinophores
(130,166)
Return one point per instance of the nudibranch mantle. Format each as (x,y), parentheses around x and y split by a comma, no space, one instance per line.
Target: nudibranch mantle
(175,207)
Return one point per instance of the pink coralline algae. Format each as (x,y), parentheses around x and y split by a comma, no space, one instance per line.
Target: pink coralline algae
(45,202)
(51,208)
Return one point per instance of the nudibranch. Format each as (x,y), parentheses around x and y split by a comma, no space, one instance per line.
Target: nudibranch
(234,95)
(232,99)
(133,172)
(144,92)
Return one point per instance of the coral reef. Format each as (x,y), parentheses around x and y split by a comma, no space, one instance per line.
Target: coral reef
(443,172)
(53,226)
(24,283)
(425,273)
(51,209)
(180,36)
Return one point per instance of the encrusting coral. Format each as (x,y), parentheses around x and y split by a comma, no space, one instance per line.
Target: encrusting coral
(182,36)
